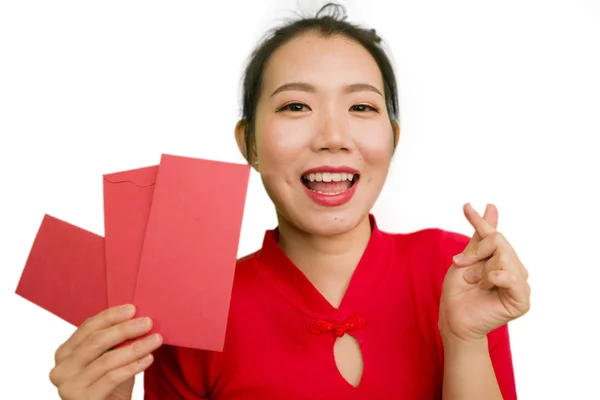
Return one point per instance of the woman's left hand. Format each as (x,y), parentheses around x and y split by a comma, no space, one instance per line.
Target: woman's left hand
(486,286)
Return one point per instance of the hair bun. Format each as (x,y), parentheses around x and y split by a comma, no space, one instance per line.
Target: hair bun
(332,10)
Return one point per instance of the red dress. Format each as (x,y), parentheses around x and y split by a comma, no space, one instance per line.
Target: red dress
(281,330)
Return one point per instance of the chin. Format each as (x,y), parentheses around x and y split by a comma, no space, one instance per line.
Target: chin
(300,210)
(325,223)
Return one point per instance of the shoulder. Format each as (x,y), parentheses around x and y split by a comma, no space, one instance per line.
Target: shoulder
(427,253)
(247,260)
(249,284)
(433,241)
(245,267)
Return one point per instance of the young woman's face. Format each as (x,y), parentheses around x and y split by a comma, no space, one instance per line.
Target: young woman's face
(324,140)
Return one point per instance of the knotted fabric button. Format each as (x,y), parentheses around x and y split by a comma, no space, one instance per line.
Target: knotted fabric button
(338,329)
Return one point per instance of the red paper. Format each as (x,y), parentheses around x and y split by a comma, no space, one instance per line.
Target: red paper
(190,250)
(65,271)
(127,201)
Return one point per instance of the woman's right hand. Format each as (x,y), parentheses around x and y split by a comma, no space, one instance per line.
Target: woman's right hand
(87,367)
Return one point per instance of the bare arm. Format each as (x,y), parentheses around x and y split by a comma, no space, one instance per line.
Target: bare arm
(468,371)
(484,289)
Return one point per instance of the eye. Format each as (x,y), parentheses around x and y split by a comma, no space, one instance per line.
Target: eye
(363,108)
(294,107)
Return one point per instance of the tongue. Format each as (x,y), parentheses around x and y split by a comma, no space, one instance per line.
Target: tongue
(328,187)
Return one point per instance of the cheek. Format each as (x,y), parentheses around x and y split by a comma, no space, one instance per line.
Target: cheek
(376,144)
(279,142)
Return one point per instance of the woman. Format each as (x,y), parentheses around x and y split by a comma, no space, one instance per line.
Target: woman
(330,307)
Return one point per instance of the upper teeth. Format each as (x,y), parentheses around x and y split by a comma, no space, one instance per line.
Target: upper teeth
(329,177)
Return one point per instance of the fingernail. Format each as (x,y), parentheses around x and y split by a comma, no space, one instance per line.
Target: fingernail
(128,310)
(457,258)
(144,322)
(154,338)
(145,360)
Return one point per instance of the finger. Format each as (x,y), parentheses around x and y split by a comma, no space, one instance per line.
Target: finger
(103,387)
(103,320)
(490,215)
(501,260)
(100,342)
(120,357)
(482,227)
(477,273)
(517,289)
(474,274)
(481,251)
(493,264)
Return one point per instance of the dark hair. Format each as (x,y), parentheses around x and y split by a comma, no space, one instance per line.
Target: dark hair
(329,21)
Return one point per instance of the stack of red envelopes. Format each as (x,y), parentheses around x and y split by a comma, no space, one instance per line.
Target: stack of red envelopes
(170,247)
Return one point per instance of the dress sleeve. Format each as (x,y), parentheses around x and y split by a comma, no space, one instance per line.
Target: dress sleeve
(500,353)
(498,339)
(178,373)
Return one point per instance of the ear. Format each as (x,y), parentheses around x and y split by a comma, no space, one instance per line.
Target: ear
(241,133)
(396,129)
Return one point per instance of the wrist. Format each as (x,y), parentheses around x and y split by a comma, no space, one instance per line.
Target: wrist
(450,339)
(461,347)
(457,336)
(468,370)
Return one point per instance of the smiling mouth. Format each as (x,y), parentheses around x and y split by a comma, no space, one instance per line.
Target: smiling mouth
(329,183)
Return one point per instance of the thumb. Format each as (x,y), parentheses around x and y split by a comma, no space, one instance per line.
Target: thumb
(490,215)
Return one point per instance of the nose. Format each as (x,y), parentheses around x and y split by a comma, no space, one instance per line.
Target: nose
(332,134)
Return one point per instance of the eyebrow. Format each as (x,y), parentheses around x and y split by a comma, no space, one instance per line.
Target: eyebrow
(307,87)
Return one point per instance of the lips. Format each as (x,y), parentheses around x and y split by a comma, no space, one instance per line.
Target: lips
(330,185)
(330,169)
(330,180)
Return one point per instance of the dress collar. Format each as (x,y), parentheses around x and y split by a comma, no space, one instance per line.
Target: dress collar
(283,276)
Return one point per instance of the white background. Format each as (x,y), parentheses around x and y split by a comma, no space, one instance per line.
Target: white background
(499,102)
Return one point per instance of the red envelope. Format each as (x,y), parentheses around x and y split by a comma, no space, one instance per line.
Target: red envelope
(65,271)
(190,250)
(127,201)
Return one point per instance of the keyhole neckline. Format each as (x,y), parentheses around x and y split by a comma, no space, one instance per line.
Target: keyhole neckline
(282,275)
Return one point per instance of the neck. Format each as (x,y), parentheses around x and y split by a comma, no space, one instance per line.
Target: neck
(327,261)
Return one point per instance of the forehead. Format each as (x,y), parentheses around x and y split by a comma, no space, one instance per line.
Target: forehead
(327,62)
